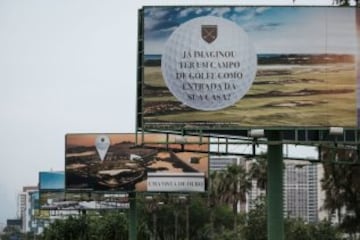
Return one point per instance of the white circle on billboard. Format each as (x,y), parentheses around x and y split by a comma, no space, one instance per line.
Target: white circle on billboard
(209,63)
(102,143)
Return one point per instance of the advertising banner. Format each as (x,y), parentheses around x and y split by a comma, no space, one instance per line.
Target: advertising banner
(245,67)
(117,162)
(82,201)
(52,196)
(165,182)
(52,181)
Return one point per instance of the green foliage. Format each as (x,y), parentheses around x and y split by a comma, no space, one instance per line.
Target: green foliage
(258,171)
(213,216)
(251,226)
(110,226)
(341,183)
(297,229)
(255,228)
(11,232)
(231,187)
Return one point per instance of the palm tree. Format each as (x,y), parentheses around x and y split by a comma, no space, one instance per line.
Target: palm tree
(234,186)
(258,171)
(214,197)
(331,183)
(216,178)
(341,186)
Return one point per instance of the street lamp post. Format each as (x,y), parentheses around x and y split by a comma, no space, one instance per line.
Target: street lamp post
(184,199)
(153,205)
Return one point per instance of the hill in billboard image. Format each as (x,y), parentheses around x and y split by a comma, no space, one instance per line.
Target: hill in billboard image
(127,167)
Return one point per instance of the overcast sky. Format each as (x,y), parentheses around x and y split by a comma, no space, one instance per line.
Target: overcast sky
(67,67)
(291,30)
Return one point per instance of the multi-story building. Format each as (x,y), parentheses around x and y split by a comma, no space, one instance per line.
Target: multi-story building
(21,205)
(15,223)
(28,210)
(301,191)
(219,163)
(24,206)
(301,186)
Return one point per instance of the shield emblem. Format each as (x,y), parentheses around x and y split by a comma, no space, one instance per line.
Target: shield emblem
(209,33)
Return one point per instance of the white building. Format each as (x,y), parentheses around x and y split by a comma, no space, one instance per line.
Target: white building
(301,190)
(303,195)
(25,207)
(219,163)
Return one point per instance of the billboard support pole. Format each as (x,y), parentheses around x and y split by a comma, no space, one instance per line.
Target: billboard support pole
(275,220)
(132,217)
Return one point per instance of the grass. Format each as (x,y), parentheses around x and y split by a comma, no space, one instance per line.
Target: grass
(335,109)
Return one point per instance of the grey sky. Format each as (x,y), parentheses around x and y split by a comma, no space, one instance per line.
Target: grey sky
(66,66)
(291,30)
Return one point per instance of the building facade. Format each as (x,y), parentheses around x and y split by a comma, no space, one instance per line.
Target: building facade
(302,192)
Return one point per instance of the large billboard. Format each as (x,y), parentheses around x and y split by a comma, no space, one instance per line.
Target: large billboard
(245,67)
(120,163)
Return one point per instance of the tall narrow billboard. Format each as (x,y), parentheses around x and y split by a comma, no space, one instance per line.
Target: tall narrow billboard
(117,162)
(245,67)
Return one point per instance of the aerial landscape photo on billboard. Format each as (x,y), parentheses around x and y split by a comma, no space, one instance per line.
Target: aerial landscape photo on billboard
(242,67)
(67,201)
(115,163)
(52,196)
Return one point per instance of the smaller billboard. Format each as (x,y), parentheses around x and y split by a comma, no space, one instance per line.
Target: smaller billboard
(52,180)
(118,162)
(53,197)
(68,201)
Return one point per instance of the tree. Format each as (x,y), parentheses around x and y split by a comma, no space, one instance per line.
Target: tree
(341,184)
(255,228)
(258,171)
(110,226)
(214,197)
(11,232)
(295,229)
(233,188)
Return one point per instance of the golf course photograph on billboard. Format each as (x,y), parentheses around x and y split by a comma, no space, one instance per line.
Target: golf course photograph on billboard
(116,163)
(246,67)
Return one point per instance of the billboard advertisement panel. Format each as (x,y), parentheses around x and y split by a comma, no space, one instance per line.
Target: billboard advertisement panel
(52,181)
(245,67)
(117,162)
(82,201)
(52,196)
